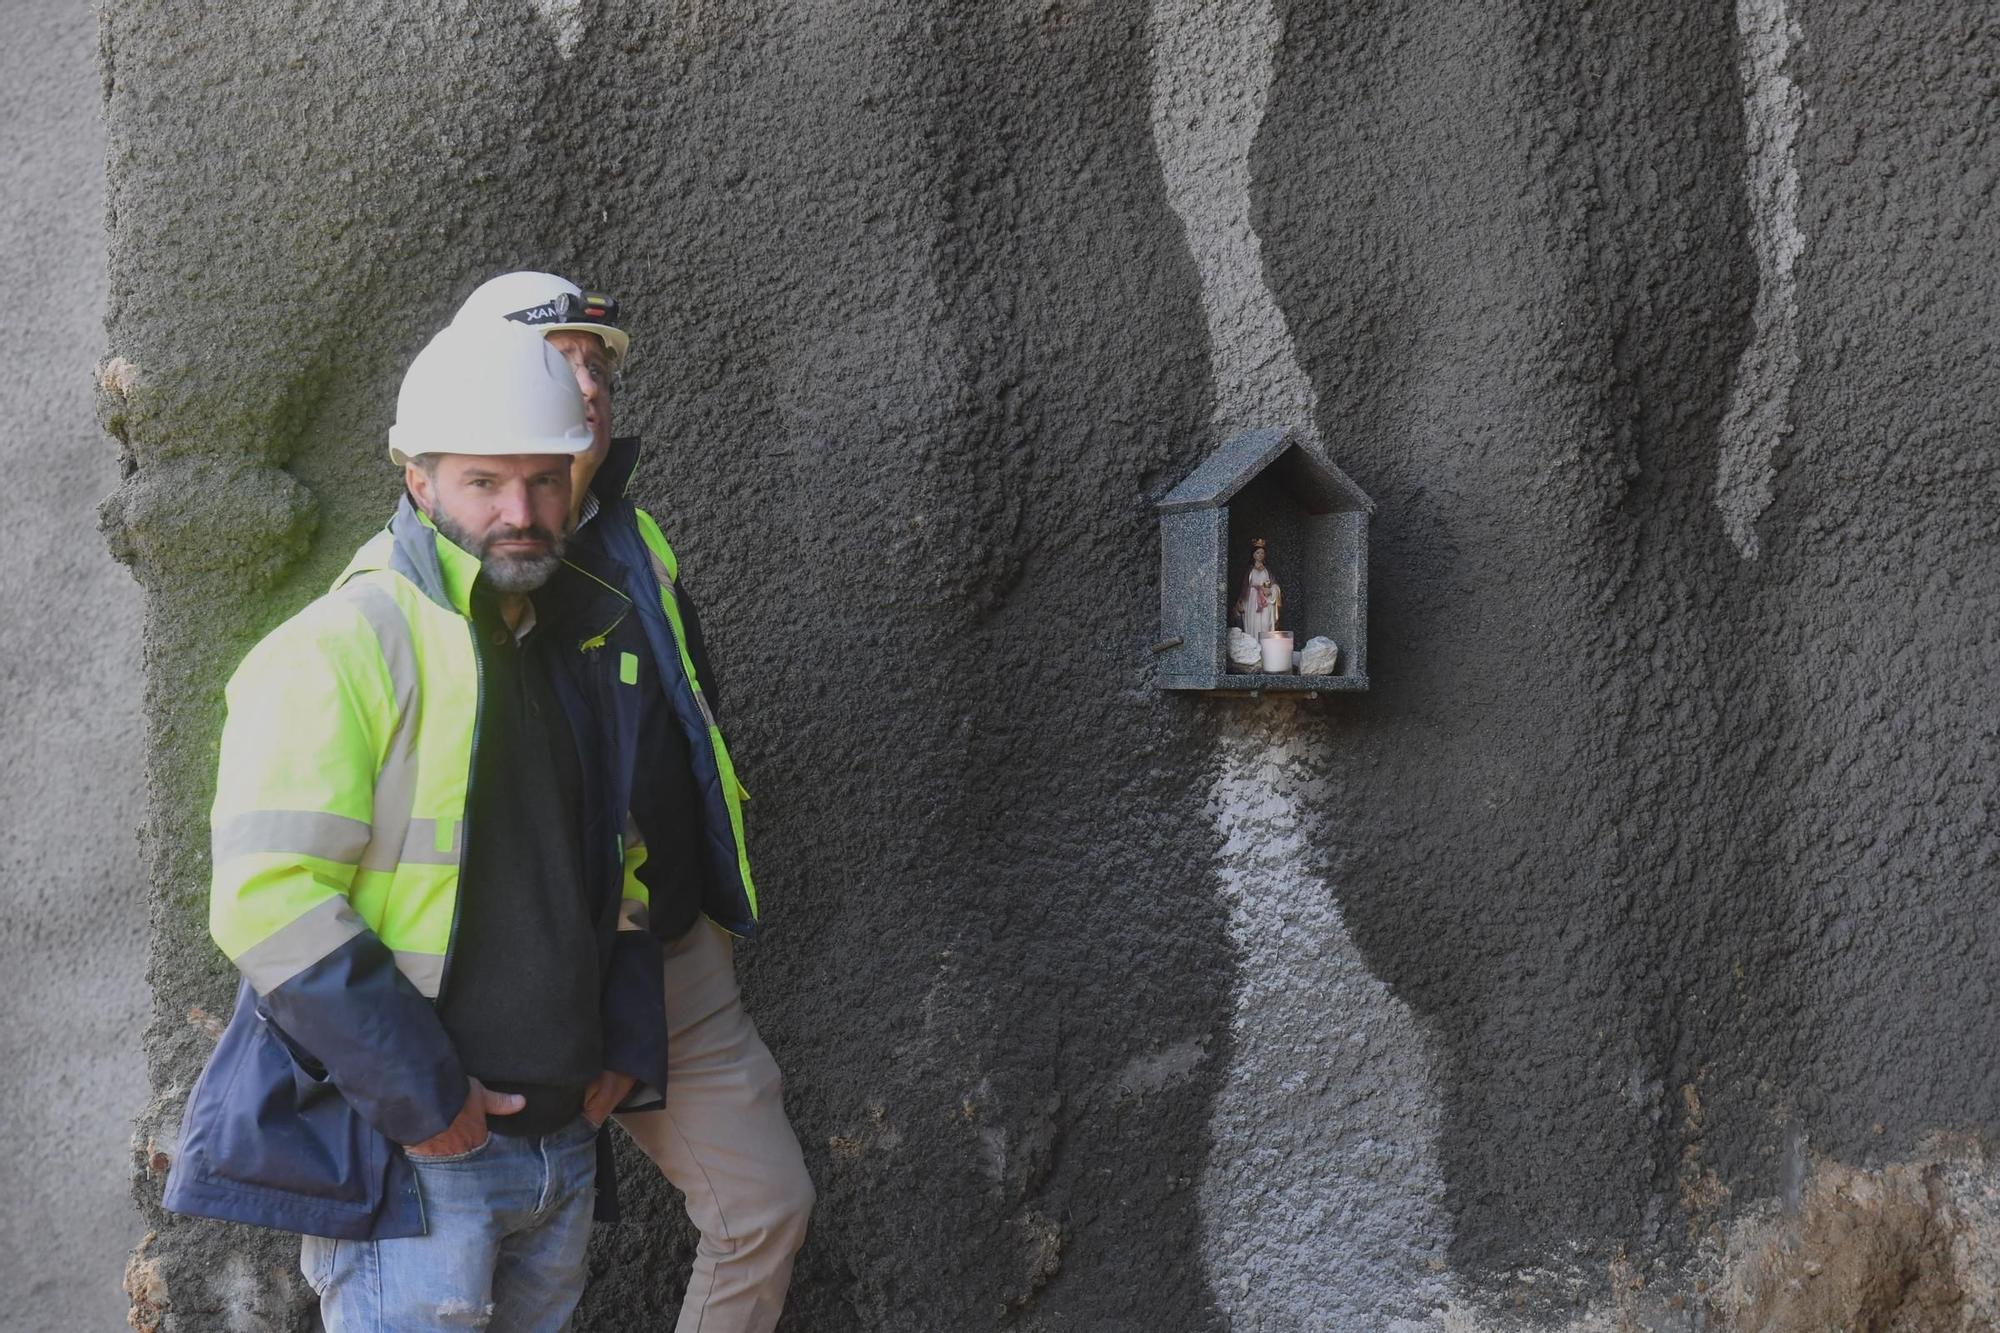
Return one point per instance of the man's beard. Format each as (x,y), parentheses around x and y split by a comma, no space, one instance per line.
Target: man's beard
(506,573)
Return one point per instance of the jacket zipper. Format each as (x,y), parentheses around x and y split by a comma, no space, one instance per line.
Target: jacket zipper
(604,703)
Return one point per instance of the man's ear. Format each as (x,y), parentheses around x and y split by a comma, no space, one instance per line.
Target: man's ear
(418,482)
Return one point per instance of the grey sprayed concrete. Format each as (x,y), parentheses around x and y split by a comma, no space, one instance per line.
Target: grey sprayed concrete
(1544,281)
(1681,856)
(73,902)
(1645,870)
(1887,592)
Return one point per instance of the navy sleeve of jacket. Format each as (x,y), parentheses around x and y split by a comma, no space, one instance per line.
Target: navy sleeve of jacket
(378,1040)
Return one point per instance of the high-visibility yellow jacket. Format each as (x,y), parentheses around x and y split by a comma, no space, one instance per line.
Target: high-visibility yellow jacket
(338,829)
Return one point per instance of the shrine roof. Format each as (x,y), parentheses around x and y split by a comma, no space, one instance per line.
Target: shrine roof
(1320,486)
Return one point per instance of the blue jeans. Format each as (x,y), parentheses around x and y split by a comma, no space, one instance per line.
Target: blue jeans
(509,1223)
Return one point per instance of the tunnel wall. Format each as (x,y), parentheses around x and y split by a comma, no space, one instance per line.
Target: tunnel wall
(1636,913)
(73,898)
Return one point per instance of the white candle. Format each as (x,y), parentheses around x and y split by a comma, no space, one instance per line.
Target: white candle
(1277,647)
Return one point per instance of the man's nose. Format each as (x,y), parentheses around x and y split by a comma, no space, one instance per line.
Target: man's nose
(515,510)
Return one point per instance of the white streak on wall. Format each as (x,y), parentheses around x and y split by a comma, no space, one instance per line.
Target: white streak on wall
(1211,78)
(566,20)
(1322,1200)
(1759,410)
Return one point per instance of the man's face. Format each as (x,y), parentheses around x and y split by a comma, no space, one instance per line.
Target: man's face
(586,356)
(510,511)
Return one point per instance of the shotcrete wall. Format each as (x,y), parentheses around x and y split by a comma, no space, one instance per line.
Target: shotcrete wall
(1636,924)
(73,900)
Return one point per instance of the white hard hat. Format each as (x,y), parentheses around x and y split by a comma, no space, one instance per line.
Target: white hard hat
(488,387)
(548,303)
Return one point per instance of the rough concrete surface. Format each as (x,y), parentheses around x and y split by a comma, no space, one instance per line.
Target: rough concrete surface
(73,902)
(1650,883)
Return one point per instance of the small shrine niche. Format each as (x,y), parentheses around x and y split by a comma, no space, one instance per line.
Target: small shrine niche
(1264,492)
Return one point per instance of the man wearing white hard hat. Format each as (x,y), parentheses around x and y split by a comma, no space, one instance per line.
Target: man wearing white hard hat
(722,1136)
(420,871)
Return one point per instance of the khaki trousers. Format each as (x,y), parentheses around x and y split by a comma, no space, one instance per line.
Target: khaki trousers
(723,1140)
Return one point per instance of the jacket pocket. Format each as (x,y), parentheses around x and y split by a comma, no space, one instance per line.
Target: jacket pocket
(283,1126)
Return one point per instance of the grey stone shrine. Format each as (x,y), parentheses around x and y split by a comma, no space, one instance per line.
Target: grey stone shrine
(1267,483)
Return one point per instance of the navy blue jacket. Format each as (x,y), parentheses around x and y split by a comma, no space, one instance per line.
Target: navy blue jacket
(610,546)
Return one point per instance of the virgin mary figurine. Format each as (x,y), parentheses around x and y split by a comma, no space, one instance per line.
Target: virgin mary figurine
(1257,609)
